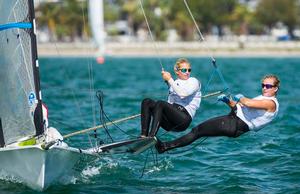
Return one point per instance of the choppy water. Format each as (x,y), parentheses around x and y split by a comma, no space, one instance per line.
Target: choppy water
(263,162)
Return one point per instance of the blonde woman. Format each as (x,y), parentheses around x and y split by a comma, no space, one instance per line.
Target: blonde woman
(177,113)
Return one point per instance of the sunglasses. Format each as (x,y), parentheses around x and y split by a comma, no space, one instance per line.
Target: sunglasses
(268,86)
(184,70)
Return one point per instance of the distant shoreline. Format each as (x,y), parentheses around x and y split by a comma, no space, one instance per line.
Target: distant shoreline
(165,49)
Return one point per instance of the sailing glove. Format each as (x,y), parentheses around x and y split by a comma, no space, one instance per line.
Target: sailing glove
(223,98)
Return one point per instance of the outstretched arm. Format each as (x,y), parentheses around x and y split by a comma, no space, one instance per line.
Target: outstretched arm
(268,105)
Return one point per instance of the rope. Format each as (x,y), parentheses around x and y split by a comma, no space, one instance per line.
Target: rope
(91,81)
(197,27)
(67,75)
(145,163)
(212,58)
(216,69)
(102,114)
(104,117)
(150,32)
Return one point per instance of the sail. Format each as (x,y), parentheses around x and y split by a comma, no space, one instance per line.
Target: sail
(20,103)
(97,23)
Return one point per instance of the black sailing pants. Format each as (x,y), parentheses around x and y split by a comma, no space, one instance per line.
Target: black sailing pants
(171,117)
(227,125)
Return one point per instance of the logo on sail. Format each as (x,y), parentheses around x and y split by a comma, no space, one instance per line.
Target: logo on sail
(31,98)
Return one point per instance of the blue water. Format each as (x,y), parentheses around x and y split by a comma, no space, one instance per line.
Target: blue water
(263,162)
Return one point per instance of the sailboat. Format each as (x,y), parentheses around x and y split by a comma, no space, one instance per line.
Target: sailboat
(96,19)
(30,150)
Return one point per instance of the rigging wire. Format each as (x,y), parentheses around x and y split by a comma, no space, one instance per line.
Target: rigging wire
(91,81)
(92,91)
(214,62)
(67,77)
(104,117)
(99,95)
(197,28)
(90,68)
(145,163)
(195,23)
(151,35)
(155,160)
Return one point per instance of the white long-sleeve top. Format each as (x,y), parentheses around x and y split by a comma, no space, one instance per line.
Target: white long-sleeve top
(185,93)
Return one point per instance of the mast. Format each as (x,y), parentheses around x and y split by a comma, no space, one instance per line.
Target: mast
(38,114)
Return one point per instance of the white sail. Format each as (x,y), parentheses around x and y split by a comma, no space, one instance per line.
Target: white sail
(96,19)
(19,83)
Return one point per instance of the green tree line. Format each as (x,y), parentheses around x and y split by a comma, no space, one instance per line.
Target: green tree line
(69,18)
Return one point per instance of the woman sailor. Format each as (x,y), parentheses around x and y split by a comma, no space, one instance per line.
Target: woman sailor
(184,99)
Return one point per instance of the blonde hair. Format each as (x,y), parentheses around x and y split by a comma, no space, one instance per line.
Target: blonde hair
(276,79)
(180,61)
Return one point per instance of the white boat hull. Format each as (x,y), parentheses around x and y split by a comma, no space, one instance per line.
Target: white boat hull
(38,168)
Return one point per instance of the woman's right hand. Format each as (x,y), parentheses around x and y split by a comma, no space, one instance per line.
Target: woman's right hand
(166,75)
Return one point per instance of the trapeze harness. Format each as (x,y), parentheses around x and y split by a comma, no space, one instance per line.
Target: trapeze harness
(238,121)
(176,114)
